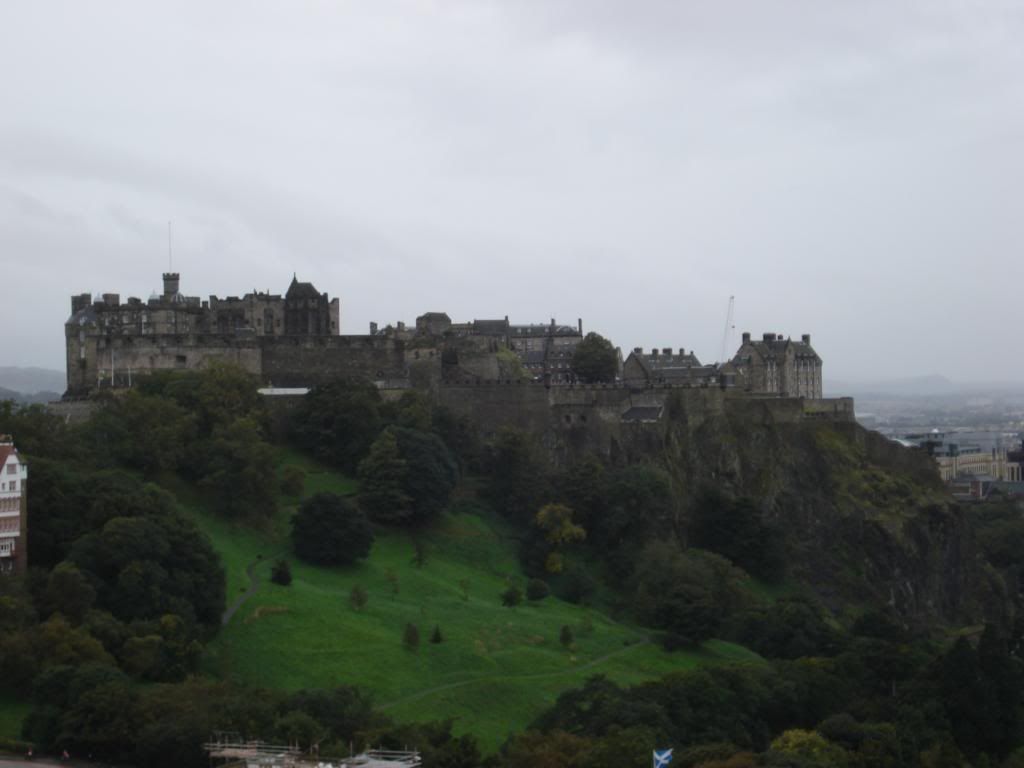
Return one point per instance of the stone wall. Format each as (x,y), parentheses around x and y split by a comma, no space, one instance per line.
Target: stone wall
(305,361)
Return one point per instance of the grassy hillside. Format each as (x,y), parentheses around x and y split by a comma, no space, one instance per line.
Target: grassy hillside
(496,668)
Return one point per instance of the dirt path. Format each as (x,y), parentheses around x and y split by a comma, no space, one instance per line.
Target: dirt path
(252,589)
(536,676)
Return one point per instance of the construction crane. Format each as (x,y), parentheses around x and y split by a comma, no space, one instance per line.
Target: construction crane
(730,326)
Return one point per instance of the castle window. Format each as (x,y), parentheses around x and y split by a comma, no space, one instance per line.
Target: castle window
(13,485)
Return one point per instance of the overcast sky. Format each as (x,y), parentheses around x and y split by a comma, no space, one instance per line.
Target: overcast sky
(853,170)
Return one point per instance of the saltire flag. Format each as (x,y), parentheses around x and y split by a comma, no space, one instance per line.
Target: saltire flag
(662,758)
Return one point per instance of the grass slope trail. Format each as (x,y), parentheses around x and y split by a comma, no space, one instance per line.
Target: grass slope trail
(495,670)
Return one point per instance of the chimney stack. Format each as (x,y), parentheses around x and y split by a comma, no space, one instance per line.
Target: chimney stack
(654,352)
(746,337)
(806,339)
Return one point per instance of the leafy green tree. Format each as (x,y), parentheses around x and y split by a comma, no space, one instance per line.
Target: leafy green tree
(151,434)
(537,589)
(436,637)
(145,567)
(411,636)
(686,593)
(239,471)
(299,728)
(69,592)
(736,530)
(432,473)
(281,573)
(382,479)
(559,530)
(565,636)
(293,480)
(595,359)
(512,596)
(337,422)
(640,508)
(517,475)
(358,597)
(331,530)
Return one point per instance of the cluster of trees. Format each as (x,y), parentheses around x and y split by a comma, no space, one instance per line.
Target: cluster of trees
(879,701)
(626,526)
(95,710)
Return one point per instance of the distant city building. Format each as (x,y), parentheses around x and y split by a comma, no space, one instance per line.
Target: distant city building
(968,464)
(13,509)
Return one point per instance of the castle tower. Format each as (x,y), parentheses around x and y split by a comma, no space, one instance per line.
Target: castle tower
(171,281)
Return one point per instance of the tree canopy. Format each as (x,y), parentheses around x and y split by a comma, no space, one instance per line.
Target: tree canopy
(331,530)
(595,359)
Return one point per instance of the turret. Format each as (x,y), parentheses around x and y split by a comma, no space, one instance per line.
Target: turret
(171,280)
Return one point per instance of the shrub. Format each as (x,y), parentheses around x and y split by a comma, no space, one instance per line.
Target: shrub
(293,480)
(436,636)
(565,636)
(331,530)
(537,589)
(512,597)
(411,636)
(358,597)
(281,573)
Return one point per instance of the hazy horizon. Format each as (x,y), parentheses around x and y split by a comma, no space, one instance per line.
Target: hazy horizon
(850,171)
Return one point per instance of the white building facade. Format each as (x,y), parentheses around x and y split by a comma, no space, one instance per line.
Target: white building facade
(13,508)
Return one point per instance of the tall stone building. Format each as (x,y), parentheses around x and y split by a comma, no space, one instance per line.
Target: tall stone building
(108,342)
(13,509)
(781,366)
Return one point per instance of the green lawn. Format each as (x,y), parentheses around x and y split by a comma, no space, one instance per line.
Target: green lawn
(497,667)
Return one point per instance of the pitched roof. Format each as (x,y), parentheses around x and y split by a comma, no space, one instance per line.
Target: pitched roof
(6,451)
(299,290)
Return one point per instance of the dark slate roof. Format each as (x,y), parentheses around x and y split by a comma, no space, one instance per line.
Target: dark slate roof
(299,290)
(780,346)
(643,413)
(435,316)
(490,327)
(660,361)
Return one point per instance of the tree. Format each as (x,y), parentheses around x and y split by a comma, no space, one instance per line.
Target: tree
(686,593)
(238,469)
(358,597)
(382,477)
(436,636)
(735,528)
(411,636)
(337,422)
(281,573)
(537,589)
(565,636)
(512,596)
(595,359)
(293,480)
(407,477)
(432,473)
(330,530)
(69,592)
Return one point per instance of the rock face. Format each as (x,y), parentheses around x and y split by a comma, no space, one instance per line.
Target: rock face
(867,521)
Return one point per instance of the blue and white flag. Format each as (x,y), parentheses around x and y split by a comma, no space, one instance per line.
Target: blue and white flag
(662,758)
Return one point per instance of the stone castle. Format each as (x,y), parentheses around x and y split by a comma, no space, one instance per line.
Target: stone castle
(294,341)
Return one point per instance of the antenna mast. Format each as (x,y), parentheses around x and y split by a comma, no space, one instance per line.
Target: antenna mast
(730,326)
